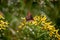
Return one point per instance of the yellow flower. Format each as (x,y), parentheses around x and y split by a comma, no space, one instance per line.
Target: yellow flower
(3,24)
(0,25)
(37,18)
(17,31)
(51,33)
(23,18)
(6,23)
(50,27)
(19,26)
(29,22)
(48,23)
(34,22)
(3,28)
(43,18)
(1,17)
(22,23)
(44,27)
(57,35)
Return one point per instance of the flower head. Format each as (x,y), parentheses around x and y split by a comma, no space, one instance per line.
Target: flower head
(3,24)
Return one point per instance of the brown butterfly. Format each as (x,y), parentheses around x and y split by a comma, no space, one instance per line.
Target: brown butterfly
(29,16)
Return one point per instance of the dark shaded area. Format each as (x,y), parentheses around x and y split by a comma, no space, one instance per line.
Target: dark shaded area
(2,37)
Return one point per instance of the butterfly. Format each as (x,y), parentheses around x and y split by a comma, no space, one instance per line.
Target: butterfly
(29,16)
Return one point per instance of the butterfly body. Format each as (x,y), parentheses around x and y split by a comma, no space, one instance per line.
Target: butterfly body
(29,17)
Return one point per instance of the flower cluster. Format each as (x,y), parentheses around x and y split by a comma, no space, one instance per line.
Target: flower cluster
(44,23)
(3,24)
(47,25)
